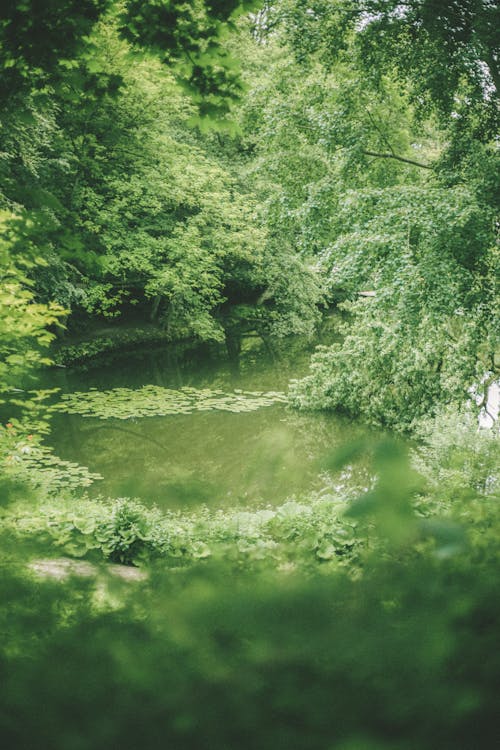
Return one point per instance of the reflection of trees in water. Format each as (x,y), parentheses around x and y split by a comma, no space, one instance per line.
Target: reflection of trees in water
(140,435)
(201,365)
(321,435)
(211,457)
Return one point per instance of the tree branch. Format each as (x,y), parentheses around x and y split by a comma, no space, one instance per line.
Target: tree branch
(398,158)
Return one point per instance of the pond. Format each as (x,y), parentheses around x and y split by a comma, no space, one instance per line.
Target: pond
(188,426)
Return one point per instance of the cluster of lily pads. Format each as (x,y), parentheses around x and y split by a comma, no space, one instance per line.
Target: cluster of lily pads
(155,401)
(40,467)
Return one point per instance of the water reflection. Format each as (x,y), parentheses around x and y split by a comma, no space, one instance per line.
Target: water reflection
(214,457)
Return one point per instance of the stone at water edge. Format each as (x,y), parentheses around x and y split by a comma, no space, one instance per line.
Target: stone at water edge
(62,568)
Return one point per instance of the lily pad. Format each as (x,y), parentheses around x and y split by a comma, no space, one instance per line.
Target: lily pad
(155,401)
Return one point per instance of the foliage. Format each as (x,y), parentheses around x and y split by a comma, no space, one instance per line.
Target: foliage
(40,42)
(459,460)
(131,212)
(361,165)
(428,331)
(306,134)
(445,51)
(23,321)
(188,36)
(152,400)
(193,656)
(292,535)
(384,191)
(34,39)
(391,373)
(384,238)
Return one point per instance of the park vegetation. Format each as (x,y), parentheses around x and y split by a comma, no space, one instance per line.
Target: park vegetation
(198,171)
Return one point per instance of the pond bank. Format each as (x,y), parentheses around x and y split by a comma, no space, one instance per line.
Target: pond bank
(104,341)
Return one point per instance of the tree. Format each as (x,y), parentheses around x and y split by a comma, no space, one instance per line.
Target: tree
(37,40)
(373,181)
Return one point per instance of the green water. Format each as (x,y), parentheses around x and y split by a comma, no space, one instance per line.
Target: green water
(214,457)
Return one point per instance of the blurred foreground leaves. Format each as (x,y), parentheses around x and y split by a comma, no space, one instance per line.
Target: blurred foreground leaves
(398,649)
(405,657)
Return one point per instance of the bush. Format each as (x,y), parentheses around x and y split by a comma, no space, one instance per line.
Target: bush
(389,372)
(405,658)
(125,531)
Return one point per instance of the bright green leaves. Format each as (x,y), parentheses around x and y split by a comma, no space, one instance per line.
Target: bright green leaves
(444,49)
(384,235)
(290,536)
(391,372)
(189,37)
(152,400)
(23,321)
(142,215)
(167,222)
(36,465)
(424,254)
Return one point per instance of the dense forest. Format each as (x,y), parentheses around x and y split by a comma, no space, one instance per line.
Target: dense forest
(249,374)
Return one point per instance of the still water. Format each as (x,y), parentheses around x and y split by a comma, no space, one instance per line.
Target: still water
(211,457)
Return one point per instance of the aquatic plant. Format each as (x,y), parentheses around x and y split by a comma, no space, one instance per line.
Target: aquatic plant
(26,460)
(38,466)
(154,401)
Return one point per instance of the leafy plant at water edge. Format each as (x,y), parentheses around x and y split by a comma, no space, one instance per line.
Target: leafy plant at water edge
(392,373)
(292,535)
(460,461)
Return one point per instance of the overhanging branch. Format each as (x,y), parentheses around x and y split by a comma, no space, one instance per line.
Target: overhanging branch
(398,158)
